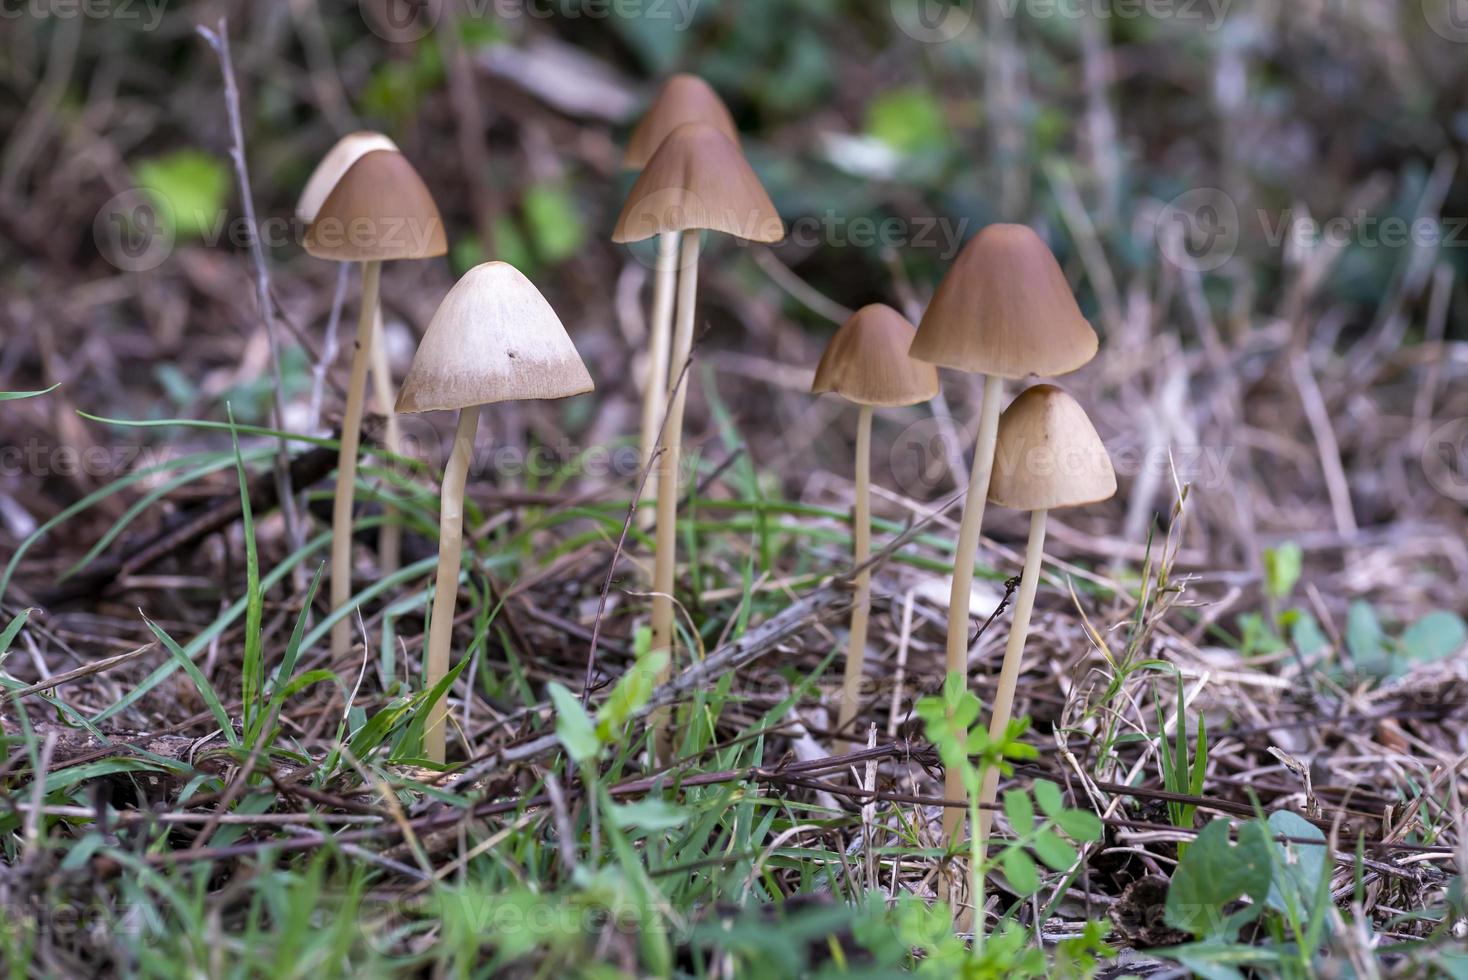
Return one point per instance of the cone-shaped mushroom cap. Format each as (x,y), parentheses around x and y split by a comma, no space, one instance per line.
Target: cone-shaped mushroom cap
(338,160)
(1048,454)
(866,361)
(682,99)
(698,179)
(1005,309)
(493,339)
(378,212)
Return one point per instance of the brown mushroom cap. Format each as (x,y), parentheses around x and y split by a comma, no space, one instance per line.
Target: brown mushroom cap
(379,211)
(338,160)
(1005,309)
(1048,454)
(698,179)
(494,338)
(866,361)
(682,99)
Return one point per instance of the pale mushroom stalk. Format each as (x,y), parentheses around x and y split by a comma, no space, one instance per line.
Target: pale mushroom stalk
(660,331)
(965,553)
(446,581)
(346,461)
(861,550)
(390,536)
(669,466)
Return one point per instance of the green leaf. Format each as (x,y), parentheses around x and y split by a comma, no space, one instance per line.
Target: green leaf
(910,120)
(1019,811)
(10,396)
(1079,825)
(1054,850)
(201,684)
(1048,795)
(252,669)
(1436,636)
(649,814)
(1023,877)
(1365,638)
(1282,568)
(1214,873)
(573,725)
(554,221)
(188,186)
(11,631)
(1299,866)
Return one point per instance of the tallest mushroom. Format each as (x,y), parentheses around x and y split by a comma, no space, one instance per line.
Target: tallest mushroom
(1004,310)
(697,180)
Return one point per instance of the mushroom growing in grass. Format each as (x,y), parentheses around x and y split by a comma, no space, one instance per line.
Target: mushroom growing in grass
(1004,310)
(1048,456)
(378,211)
(337,161)
(866,362)
(682,99)
(696,180)
(493,339)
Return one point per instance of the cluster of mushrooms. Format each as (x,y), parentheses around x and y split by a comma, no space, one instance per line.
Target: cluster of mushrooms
(1003,311)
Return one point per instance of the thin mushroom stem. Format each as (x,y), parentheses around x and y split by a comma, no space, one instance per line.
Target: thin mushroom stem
(660,334)
(390,537)
(668,465)
(1019,631)
(964,556)
(346,463)
(446,584)
(861,548)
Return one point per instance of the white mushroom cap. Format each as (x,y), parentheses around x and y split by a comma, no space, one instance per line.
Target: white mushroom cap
(493,339)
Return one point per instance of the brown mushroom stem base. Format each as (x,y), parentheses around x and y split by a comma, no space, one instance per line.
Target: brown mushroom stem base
(346,465)
(1014,650)
(964,555)
(660,337)
(446,583)
(861,549)
(668,467)
(390,537)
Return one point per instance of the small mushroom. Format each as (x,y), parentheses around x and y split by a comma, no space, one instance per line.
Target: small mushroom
(338,160)
(1047,456)
(866,362)
(379,211)
(494,338)
(1004,310)
(696,180)
(682,99)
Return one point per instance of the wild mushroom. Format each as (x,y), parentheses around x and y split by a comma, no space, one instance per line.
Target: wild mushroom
(1048,456)
(682,99)
(866,362)
(494,338)
(697,179)
(1004,310)
(379,211)
(337,161)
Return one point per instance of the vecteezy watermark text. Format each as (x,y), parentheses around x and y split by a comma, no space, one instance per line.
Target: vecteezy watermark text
(148,12)
(404,21)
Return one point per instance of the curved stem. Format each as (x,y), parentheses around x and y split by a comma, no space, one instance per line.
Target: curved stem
(660,335)
(964,555)
(1019,631)
(390,537)
(668,468)
(346,462)
(861,548)
(446,583)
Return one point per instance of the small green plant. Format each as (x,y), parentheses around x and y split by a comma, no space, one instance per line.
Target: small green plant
(1181,774)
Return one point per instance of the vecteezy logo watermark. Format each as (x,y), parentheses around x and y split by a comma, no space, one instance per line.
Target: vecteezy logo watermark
(932,21)
(1445,460)
(1447,18)
(134,230)
(403,21)
(834,230)
(150,12)
(1198,230)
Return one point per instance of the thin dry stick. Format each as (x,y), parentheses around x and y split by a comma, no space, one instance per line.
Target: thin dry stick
(346,462)
(861,548)
(219,41)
